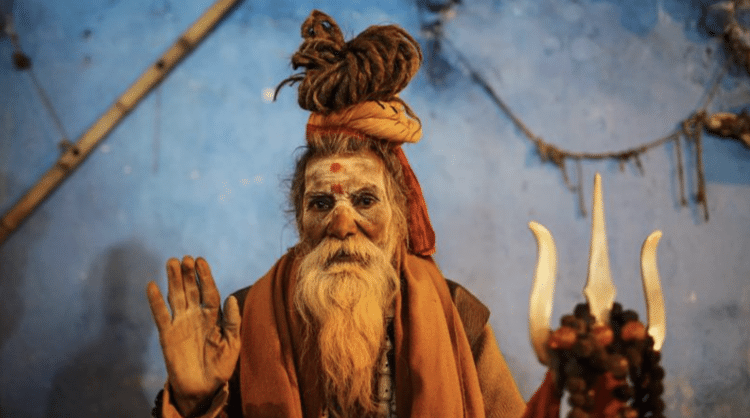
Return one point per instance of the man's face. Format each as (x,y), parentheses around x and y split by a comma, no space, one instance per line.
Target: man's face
(347,280)
(346,196)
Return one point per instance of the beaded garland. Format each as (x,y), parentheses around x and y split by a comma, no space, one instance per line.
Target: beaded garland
(619,355)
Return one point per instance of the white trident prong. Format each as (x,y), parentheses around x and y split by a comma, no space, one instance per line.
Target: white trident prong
(542,291)
(657,317)
(599,291)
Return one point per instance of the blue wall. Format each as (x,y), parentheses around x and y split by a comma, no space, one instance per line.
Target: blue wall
(198,168)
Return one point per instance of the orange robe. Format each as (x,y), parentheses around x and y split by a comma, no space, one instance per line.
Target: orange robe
(448,362)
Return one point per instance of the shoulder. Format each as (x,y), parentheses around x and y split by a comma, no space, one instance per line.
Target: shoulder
(474,314)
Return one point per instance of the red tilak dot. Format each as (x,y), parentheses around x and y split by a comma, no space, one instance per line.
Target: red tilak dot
(336,188)
(335,167)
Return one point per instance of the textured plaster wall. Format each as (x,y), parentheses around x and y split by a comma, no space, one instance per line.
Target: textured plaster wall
(198,169)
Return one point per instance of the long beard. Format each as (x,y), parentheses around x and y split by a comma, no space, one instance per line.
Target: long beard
(343,291)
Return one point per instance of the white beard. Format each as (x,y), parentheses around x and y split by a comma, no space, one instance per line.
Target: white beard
(343,291)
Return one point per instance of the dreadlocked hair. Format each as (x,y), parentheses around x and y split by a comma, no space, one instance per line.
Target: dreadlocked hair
(376,65)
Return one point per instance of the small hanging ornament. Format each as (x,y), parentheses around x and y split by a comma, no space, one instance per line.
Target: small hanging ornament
(730,125)
(21,61)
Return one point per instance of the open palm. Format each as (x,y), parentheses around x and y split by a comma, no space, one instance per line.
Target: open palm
(200,345)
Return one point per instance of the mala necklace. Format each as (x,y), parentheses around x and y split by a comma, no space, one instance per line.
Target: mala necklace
(619,355)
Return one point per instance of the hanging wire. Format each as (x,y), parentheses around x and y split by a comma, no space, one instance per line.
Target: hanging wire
(22,62)
(692,128)
(680,171)
(65,141)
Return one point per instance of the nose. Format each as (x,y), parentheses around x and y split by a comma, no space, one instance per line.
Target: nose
(342,223)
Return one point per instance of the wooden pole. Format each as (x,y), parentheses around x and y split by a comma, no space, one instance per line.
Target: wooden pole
(74,155)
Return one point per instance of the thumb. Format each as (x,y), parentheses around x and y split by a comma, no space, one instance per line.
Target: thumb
(232,317)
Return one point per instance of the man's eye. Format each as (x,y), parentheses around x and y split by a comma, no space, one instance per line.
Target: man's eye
(321,203)
(365,201)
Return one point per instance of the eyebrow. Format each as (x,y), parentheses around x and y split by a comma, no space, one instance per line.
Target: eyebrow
(367,188)
(310,195)
(370,188)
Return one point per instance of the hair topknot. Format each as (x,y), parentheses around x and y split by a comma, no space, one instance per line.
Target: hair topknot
(375,65)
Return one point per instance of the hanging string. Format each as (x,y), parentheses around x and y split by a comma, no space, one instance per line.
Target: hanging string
(692,129)
(725,125)
(680,171)
(581,203)
(700,197)
(65,141)
(22,62)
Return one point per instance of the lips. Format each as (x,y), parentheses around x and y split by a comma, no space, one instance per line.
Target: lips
(342,256)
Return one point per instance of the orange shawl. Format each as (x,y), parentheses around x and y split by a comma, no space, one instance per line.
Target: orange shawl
(435,371)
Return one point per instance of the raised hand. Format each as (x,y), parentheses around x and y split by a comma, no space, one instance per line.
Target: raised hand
(200,345)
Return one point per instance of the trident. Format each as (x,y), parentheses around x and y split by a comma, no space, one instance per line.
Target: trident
(599,291)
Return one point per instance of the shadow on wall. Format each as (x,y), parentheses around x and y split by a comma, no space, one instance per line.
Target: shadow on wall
(104,378)
(13,259)
(722,379)
(13,264)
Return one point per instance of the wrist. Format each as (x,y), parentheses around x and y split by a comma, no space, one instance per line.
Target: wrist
(191,405)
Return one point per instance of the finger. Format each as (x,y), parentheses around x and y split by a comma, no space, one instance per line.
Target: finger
(176,295)
(158,308)
(232,318)
(192,295)
(210,293)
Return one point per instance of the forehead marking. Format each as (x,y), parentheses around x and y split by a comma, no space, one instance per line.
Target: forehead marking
(335,167)
(336,188)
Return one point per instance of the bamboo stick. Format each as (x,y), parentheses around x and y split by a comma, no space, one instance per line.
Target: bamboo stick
(74,155)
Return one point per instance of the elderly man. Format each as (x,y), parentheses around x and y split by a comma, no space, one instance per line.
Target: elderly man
(356,320)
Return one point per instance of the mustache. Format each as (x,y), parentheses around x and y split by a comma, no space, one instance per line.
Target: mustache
(354,251)
(347,256)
